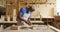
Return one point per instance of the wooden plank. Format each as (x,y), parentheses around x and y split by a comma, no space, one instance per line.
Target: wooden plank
(8,22)
(16,22)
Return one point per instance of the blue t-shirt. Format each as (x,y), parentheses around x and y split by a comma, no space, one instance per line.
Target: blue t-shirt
(23,10)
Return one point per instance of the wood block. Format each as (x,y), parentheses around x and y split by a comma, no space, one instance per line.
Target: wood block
(14,28)
(23,27)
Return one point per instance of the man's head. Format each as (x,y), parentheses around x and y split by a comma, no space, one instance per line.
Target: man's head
(31,9)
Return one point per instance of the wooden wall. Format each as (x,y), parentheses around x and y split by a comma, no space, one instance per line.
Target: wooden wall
(42,7)
(45,10)
(11,5)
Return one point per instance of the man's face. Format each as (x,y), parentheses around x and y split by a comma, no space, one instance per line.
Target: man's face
(29,6)
(31,9)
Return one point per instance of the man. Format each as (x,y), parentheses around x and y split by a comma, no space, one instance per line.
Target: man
(24,15)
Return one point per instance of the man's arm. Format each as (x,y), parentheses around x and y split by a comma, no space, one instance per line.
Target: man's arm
(21,13)
(28,21)
(21,18)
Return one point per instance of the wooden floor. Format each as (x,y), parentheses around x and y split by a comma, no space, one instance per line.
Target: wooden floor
(40,28)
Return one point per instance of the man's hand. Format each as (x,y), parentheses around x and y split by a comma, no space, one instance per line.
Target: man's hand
(28,22)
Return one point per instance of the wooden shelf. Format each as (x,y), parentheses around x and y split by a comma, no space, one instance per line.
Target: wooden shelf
(8,21)
(16,22)
(56,22)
